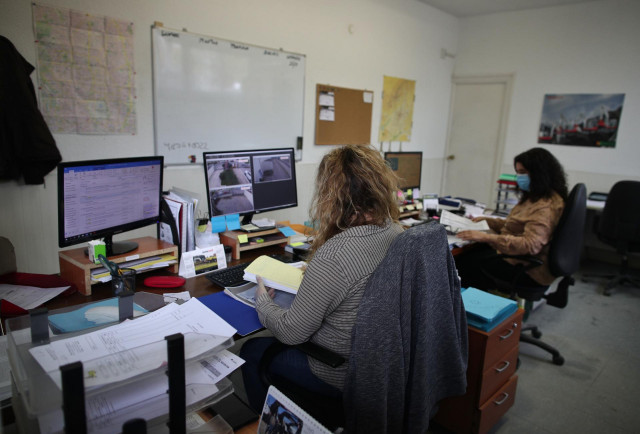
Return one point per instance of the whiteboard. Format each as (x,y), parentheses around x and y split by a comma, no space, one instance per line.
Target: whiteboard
(210,94)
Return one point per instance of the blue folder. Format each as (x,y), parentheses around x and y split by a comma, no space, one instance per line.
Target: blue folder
(240,316)
(486,310)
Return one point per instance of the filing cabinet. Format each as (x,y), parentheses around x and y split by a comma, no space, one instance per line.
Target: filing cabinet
(491,379)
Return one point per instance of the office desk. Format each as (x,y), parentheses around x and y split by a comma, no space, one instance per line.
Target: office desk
(197,286)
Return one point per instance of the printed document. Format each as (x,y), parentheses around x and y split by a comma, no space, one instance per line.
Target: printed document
(458,223)
(107,411)
(28,297)
(132,347)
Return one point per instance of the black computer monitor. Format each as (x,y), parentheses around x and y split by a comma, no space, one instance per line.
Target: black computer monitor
(101,198)
(408,167)
(250,182)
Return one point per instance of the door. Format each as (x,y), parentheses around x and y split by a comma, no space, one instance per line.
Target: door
(477,125)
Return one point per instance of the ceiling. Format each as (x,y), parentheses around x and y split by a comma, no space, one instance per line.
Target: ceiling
(469,8)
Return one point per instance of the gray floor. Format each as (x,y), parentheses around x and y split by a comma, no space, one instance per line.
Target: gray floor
(597,390)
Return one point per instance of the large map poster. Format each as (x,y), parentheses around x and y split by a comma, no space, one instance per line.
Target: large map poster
(85,71)
(398,96)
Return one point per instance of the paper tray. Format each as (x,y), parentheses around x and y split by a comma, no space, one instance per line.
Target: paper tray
(40,395)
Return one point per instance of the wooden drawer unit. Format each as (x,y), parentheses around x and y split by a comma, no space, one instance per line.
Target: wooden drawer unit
(491,383)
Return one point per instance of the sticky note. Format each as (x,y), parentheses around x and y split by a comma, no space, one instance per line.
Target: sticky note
(243,238)
(410,207)
(287,231)
(218,224)
(299,243)
(233,222)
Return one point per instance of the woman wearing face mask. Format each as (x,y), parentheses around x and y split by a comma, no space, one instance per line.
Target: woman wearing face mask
(528,228)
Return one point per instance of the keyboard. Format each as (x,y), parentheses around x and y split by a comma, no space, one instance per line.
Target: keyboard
(233,275)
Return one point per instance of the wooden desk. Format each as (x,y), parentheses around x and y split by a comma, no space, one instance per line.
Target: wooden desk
(197,286)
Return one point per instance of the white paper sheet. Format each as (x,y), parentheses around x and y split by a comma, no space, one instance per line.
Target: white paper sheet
(458,223)
(134,346)
(28,297)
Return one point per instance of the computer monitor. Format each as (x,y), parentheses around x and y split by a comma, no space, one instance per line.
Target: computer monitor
(250,182)
(101,198)
(408,167)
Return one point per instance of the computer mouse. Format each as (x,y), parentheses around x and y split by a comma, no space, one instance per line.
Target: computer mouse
(105,314)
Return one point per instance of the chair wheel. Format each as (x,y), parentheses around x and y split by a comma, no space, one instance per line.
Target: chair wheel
(536,333)
(558,360)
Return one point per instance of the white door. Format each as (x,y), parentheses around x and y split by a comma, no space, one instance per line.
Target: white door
(477,125)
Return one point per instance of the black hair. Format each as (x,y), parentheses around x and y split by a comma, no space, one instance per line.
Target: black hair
(546,174)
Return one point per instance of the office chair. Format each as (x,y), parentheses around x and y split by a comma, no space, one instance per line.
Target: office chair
(410,334)
(563,260)
(619,227)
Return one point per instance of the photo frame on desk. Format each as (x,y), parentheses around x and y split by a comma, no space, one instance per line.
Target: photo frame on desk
(343,116)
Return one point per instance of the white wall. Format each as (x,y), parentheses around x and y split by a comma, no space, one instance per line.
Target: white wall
(400,38)
(584,48)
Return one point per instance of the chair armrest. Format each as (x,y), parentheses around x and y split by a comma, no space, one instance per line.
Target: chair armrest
(321,354)
(532,260)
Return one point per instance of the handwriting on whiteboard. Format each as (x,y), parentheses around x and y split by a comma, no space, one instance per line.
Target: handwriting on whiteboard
(186,145)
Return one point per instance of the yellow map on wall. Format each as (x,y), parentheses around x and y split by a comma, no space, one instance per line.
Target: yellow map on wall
(398,96)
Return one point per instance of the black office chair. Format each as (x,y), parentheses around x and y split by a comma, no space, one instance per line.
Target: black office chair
(619,227)
(563,260)
(429,333)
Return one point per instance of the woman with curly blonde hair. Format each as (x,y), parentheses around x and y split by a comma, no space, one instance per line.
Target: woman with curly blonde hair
(355,218)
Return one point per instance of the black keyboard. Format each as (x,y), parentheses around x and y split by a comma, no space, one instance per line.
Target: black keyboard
(230,276)
(233,275)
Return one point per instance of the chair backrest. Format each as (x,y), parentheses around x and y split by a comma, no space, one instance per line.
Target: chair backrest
(7,257)
(620,221)
(409,342)
(566,244)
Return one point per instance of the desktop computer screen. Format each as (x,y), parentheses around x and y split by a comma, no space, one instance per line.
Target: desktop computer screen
(408,167)
(101,198)
(250,182)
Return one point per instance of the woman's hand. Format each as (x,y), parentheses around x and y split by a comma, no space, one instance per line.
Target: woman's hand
(261,289)
(479,218)
(478,236)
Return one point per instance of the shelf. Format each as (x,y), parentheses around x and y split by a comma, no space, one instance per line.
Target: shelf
(75,266)
(270,237)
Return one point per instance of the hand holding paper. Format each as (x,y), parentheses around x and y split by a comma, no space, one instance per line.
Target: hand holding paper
(458,223)
(276,274)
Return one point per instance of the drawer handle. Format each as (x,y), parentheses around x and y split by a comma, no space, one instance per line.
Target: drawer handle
(509,333)
(506,396)
(506,365)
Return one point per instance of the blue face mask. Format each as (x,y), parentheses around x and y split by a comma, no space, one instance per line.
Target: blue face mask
(523,181)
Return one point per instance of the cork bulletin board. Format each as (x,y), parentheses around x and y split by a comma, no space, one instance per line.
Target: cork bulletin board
(343,116)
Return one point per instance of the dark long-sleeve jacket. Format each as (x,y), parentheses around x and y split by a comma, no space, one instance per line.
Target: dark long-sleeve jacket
(27,147)
(409,347)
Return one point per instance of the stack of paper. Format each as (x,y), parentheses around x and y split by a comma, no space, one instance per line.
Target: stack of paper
(485,310)
(123,364)
(102,274)
(275,274)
